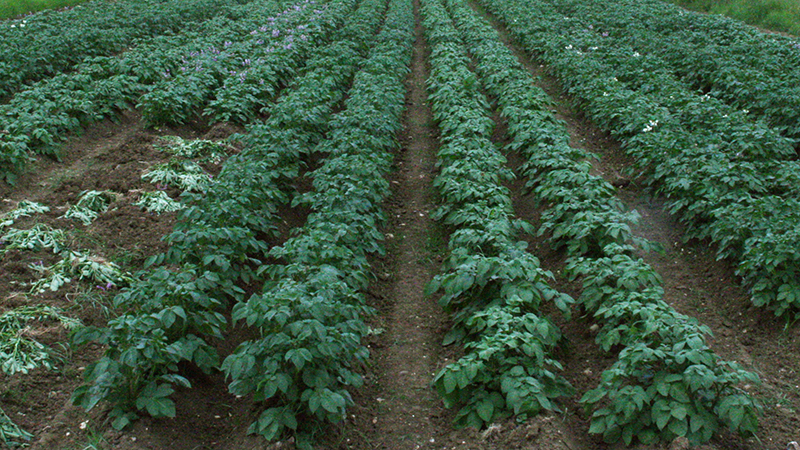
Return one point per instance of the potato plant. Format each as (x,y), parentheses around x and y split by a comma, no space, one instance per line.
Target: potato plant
(666,382)
(492,287)
(728,178)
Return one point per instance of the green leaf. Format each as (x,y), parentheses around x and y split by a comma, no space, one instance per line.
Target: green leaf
(593,396)
(121,422)
(661,418)
(678,392)
(485,410)
(678,411)
(598,426)
(449,381)
(678,427)
(332,401)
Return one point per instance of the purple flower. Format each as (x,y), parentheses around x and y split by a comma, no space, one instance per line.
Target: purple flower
(605,34)
(228,44)
(253,33)
(161,187)
(247,62)
(260,41)
(276,33)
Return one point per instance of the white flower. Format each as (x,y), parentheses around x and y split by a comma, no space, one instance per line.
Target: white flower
(13,26)
(593,48)
(746,111)
(650,126)
(22,25)
(569,47)
(83,424)
(636,54)
(614,78)
(605,94)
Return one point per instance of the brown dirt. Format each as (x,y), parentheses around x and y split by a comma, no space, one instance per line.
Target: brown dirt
(107,156)
(397,409)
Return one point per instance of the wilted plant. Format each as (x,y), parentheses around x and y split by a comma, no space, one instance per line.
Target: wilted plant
(201,149)
(39,237)
(81,266)
(89,206)
(185,175)
(24,208)
(158,202)
(19,349)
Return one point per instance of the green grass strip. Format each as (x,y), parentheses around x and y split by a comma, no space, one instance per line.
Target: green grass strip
(776,15)
(13,8)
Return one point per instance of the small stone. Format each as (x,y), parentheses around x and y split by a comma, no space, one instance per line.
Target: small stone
(679,443)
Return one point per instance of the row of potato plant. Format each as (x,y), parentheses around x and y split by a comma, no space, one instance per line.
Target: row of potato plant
(233,78)
(490,284)
(44,44)
(39,118)
(730,180)
(743,66)
(311,312)
(175,309)
(666,381)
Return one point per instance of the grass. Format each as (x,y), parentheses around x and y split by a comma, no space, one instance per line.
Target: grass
(775,15)
(13,8)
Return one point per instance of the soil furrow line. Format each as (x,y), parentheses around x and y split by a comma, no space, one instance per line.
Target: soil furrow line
(406,408)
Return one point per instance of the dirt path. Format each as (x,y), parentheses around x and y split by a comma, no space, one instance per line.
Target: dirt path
(408,351)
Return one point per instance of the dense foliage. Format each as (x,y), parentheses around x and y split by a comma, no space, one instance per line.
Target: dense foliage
(311,312)
(175,309)
(490,284)
(730,179)
(666,382)
(46,44)
(231,65)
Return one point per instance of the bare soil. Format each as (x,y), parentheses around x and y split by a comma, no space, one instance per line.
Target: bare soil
(396,409)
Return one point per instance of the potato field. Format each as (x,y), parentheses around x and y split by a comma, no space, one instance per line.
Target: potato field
(398,225)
